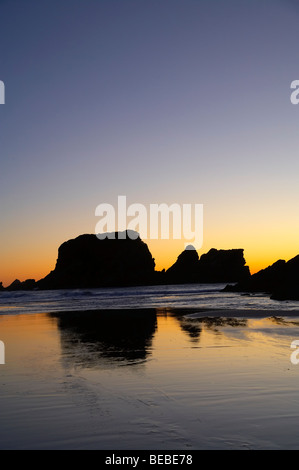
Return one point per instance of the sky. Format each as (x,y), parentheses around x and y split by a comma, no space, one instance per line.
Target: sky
(163,101)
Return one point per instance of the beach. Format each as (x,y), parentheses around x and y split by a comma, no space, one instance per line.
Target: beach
(149,378)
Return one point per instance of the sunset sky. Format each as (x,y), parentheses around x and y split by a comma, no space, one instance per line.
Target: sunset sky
(164,101)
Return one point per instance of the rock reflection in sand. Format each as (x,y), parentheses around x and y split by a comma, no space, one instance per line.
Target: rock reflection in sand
(193,326)
(214,382)
(94,338)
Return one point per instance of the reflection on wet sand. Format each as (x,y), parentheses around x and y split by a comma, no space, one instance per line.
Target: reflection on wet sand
(193,326)
(205,382)
(91,338)
(283,321)
(124,337)
(193,329)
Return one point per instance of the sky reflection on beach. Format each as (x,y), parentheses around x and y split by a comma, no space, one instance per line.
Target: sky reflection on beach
(107,380)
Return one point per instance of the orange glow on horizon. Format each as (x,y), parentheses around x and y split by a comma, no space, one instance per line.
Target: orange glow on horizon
(35,262)
(39,268)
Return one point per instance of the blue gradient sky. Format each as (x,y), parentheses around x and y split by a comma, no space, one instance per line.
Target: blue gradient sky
(182,101)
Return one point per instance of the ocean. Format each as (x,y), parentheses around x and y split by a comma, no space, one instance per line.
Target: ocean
(202,296)
(185,367)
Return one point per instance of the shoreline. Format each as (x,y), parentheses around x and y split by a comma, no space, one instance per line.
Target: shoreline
(186,312)
(244,313)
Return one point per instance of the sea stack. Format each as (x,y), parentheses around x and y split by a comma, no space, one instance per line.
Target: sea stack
(121,259)
(216,266)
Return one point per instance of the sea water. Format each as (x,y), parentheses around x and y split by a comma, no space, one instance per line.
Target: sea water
(203,296)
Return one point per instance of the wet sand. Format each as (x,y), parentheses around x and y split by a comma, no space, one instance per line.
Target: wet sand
(155,379)
(243,313)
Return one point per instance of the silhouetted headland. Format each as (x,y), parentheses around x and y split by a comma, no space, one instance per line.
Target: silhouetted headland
(280,281)
(29,284)
(89,262)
